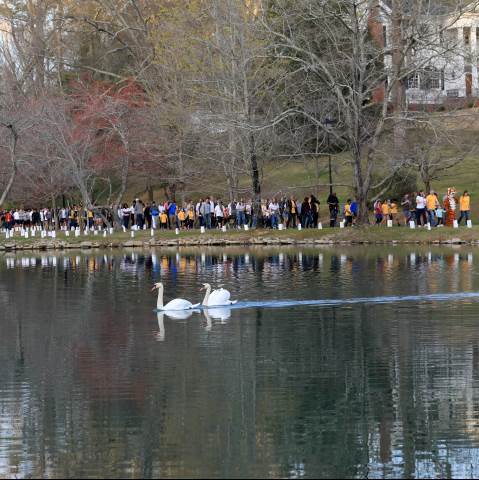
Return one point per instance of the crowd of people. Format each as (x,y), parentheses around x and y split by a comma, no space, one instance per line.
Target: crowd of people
(46,218)
(209,213)
(425,209)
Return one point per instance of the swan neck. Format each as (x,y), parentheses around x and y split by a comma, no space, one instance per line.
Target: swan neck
(207,296)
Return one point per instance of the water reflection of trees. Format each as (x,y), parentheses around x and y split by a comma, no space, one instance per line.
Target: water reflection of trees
(361,391)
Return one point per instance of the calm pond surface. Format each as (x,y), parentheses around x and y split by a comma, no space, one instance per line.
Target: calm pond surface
(94,384)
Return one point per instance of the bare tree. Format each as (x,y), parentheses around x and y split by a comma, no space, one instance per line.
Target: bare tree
(16,119)
(334,55)
(436,146)
(73,143)
(239,88)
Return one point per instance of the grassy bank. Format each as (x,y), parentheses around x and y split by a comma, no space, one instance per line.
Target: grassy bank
(327,236)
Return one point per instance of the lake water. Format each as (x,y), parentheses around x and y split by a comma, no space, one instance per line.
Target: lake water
(94,384)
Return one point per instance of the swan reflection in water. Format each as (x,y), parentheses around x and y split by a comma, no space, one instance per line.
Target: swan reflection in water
(219,313)
(173,315)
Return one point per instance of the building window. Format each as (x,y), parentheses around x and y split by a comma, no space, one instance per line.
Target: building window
(385,36)
(431,79)
(413,81)
(467,36)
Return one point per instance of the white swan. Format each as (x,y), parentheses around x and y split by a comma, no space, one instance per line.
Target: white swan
(217,298)
(174,305)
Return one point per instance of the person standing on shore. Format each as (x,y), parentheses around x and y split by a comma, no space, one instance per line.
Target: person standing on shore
(378,211)
(292,213)
(155,215)
(240,213)
(465,207)
(421,209)
(219,214)
(450,204)
(315,206)
(274,213)
(139,217)
(431,205)
(125,215)
(354,211)
(172,208)
(333,203)
(348,214)
(148,216)
(386,211)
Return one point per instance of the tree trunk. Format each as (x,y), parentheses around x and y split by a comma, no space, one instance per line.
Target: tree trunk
(256,184)
(398,91)
(363,211)
(54,212)
(13,161)
(124,181)
(149,189)
(361,187)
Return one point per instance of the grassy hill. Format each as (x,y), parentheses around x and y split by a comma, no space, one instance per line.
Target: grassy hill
(301,177)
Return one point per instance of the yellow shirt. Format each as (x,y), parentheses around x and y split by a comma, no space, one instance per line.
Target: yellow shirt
(347,210)
(191,215)
(394,208)
(182,216)
(431,202)
(164,218)
(90,214)
(465,203)
(385,208)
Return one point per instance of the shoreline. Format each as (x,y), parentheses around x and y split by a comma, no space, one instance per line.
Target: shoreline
(327,237)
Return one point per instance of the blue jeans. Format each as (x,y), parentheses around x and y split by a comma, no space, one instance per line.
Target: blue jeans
(274,220)
(465,214)
(208,221)
(431,215)
(241,219)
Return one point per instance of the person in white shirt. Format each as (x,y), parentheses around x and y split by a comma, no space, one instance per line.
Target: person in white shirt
(249,213)
(219,214)
(126,212)
(274,212)
(421,213)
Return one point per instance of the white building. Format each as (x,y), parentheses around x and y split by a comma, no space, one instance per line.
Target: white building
(449,70)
